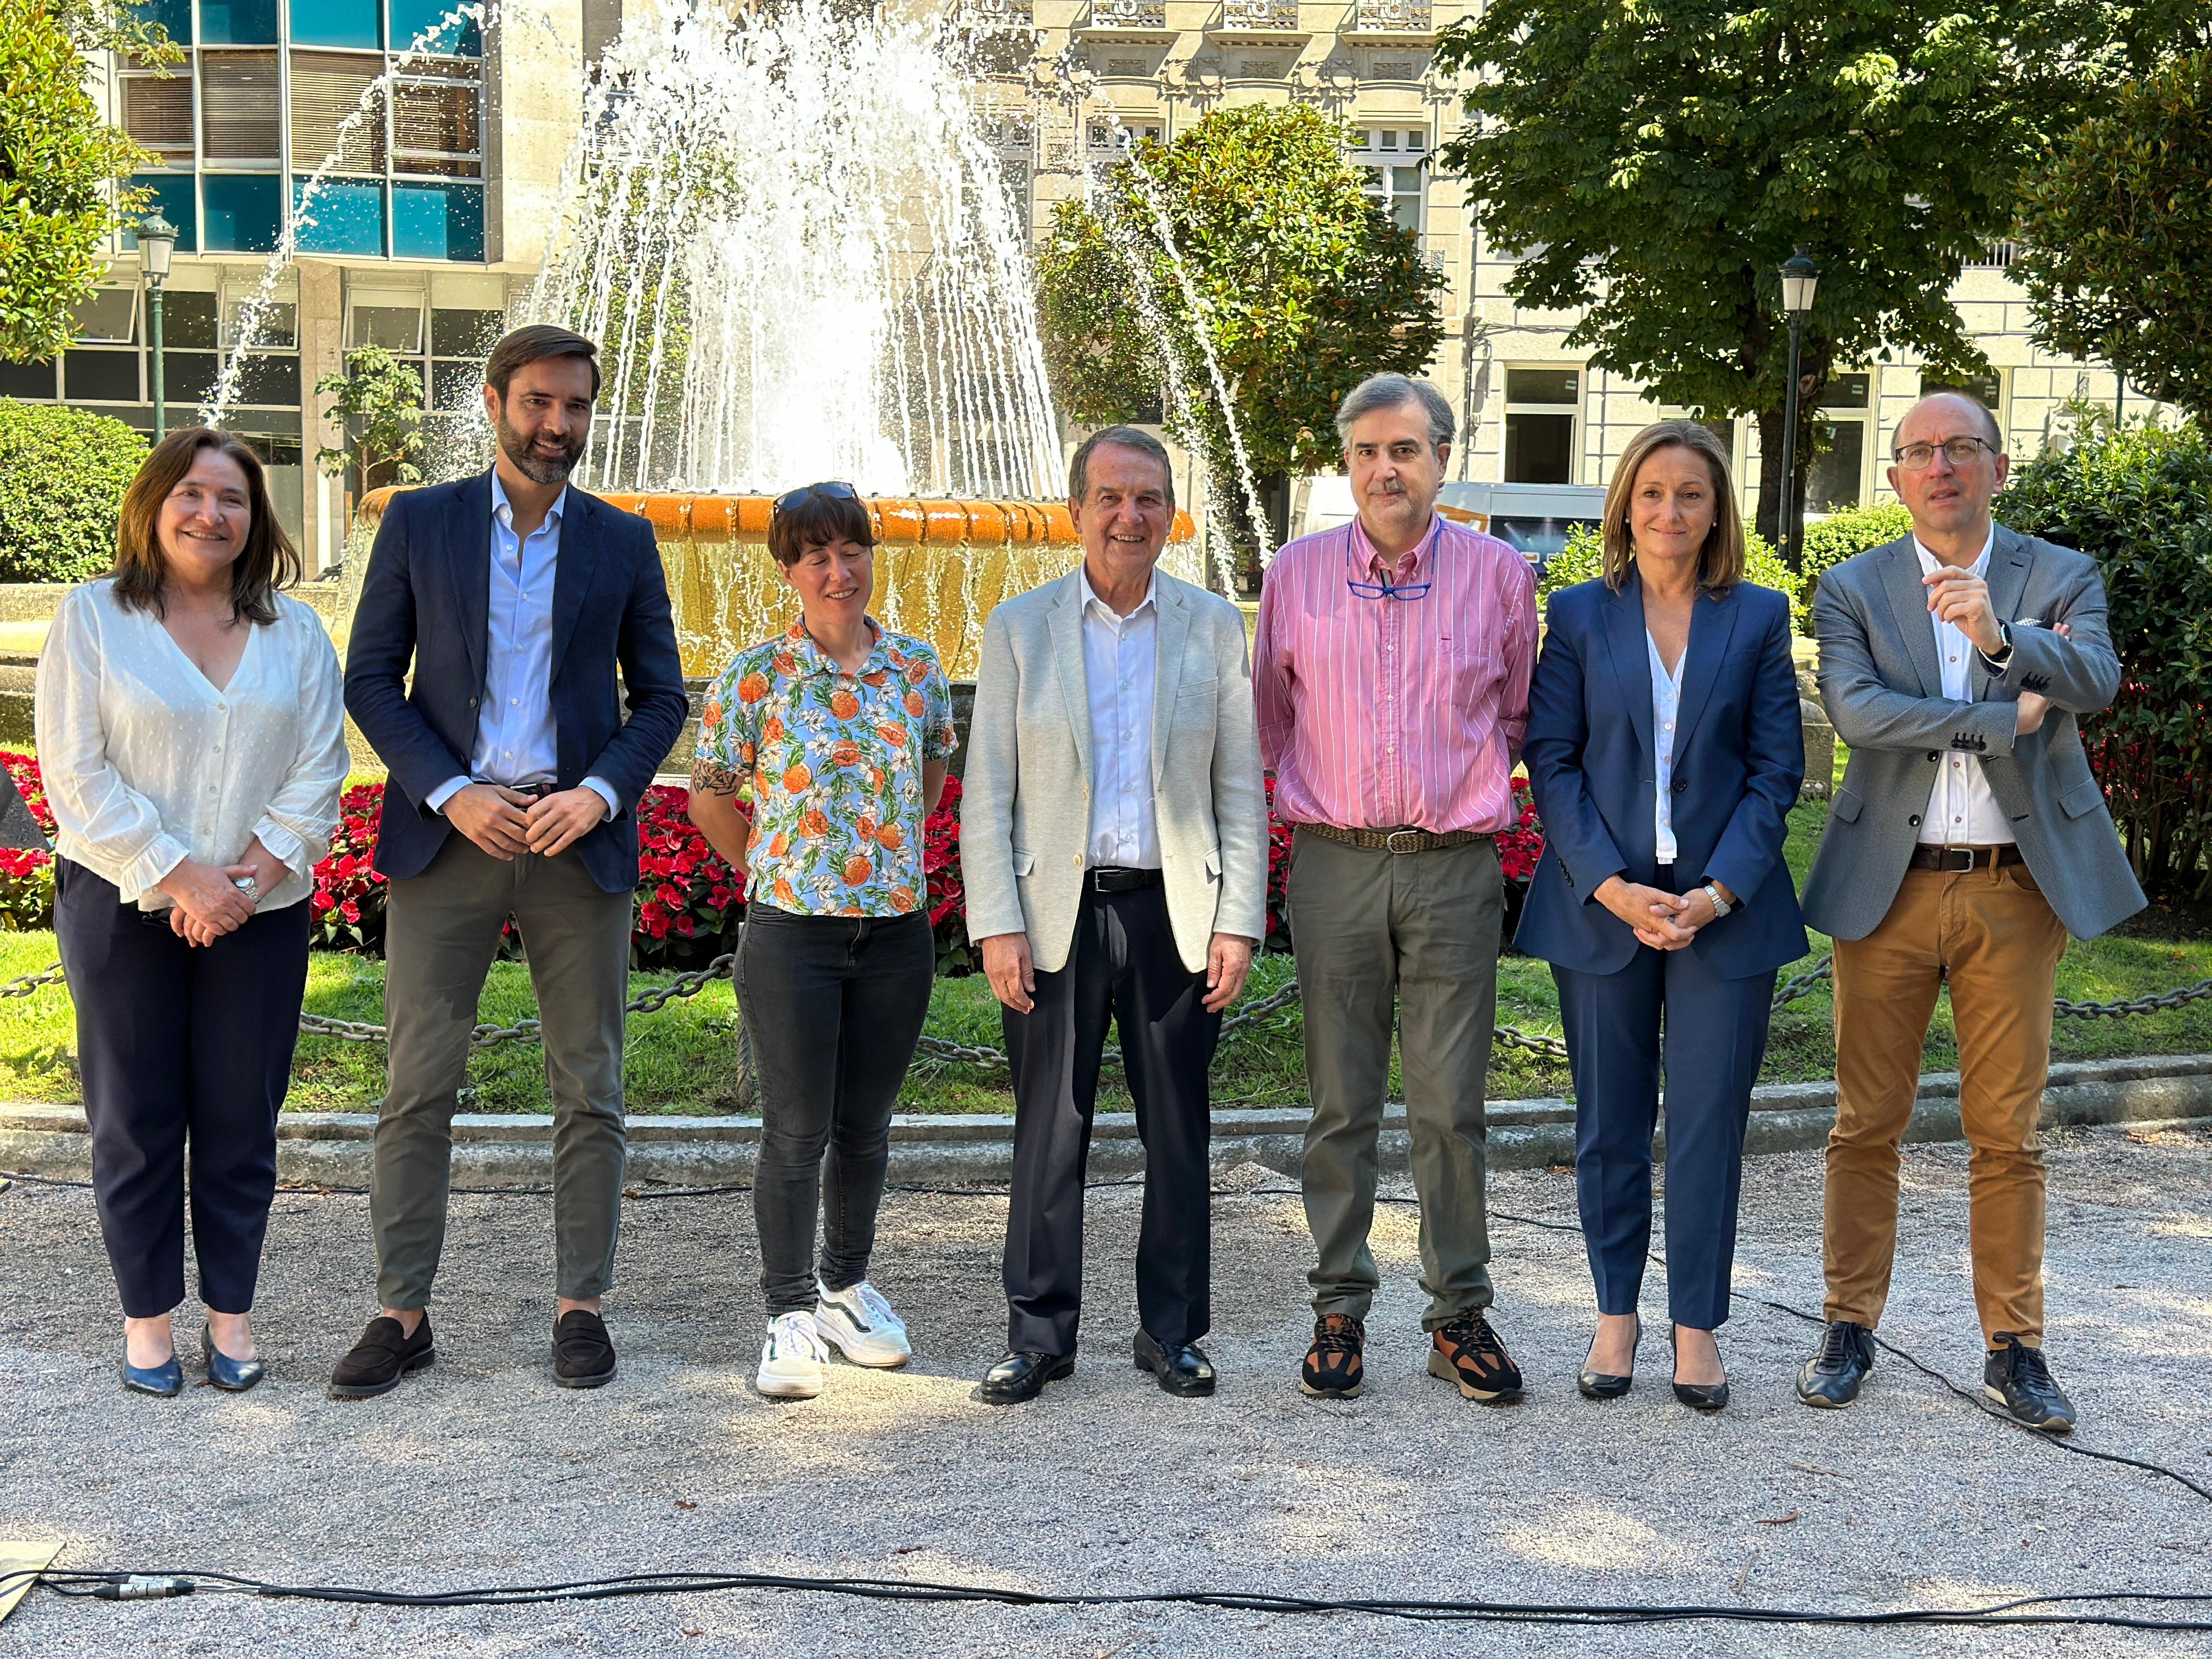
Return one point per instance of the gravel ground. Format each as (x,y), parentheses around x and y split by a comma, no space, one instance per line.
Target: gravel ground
(479,1472)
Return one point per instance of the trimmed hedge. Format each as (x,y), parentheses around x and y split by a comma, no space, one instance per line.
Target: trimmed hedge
(1841,535)
(62,473)
(1582,560)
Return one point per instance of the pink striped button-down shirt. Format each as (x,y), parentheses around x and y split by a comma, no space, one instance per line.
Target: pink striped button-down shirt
(1379,713)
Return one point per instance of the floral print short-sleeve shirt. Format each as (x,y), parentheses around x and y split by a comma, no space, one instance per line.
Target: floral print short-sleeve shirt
(834,762)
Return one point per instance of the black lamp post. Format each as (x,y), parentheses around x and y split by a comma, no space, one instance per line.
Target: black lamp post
(1799,276)
(157,239)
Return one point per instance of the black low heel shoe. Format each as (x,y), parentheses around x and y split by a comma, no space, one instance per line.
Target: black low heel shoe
(1603,1385)
(164,1382)
(1699,1396)
(232,1376)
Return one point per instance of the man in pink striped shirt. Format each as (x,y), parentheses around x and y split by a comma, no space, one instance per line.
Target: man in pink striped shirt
(1392,676)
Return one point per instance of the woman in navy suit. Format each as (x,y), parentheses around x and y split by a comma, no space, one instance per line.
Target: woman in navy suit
(1665,752)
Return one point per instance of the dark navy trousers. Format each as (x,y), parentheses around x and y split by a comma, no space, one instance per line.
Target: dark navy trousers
(184,1053)
(1664,1011)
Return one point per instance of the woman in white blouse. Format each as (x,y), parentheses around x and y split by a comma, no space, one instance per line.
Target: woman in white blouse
(192,734)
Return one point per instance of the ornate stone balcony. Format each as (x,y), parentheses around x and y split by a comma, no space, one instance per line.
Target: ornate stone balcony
(1125,20)
(1264,22)
(1389,21)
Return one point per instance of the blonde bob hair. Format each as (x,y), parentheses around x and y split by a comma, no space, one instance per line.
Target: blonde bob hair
(1721,563)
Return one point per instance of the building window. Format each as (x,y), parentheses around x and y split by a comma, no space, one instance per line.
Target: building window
(1990,388)
(1543,407)
(243,211)
(1842,421)
(1396,163)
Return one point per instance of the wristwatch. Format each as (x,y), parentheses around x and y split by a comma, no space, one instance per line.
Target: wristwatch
(1721,906)
(1998,658)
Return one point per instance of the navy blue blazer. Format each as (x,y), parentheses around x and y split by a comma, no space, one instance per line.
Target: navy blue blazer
(1739,758)
(423,604)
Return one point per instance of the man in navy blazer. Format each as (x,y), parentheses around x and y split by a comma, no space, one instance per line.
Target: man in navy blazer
(514,778)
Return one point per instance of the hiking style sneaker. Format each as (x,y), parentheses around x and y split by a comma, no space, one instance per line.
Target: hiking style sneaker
(860,1324)
(1465,1351)
(792,1358)
(1831,1376)
(1335,1365)
(2015,1378)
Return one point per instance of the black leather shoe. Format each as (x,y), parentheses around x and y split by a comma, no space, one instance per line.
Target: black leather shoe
(232,1376)
(1184,1371)
(385,1353)
(1832,1376)
(583,1355)
(1603,1385)
(1022,1376)
(1698,1396)
(2015,1378)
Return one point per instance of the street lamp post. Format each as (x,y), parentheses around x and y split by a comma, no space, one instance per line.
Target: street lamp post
(1799,276)
(157,239)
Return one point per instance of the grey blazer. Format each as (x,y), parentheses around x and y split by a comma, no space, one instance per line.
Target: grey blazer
(1025,805)
(1884,691)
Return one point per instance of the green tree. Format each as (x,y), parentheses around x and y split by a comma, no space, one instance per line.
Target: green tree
(63,472)
(1654,162)
(2118,228)
(376,413)
(1297,279)
(61,166)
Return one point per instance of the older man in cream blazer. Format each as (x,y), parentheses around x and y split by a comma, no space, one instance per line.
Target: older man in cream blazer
(1114,846)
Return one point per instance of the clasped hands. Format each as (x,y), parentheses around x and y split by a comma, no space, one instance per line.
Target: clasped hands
(1661,920)
(505,822)
(1956,595)
(209,901)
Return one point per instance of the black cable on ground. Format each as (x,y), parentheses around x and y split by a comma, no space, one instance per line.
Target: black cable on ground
(2031,1610)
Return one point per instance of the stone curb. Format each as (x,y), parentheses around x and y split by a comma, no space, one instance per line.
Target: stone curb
(516,1149)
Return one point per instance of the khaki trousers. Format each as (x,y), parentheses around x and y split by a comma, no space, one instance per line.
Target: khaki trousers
(442,931)
(1995,936)
(1413,935)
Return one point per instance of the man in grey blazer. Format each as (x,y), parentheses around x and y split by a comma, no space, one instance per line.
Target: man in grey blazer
(1968,839)
(1113,841)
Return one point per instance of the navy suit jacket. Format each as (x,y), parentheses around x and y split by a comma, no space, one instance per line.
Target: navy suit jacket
(1739,758)
(424,603)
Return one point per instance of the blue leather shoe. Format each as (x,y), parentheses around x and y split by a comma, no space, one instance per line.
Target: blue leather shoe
(164,1382)
(233,1376)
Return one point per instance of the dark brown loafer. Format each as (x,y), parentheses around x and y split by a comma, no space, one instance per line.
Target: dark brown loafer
(583,1355)
(385,1353)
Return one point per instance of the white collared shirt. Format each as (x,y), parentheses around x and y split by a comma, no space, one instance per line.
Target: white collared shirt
(1666,708)
(1961,810)
(518,741)
(1119,655)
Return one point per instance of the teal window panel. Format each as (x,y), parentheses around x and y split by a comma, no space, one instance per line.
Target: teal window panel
(244,211)
(176,17)
(438,222)
(172,198)
(337,23)
(238,23)
(346,215)
(453,37)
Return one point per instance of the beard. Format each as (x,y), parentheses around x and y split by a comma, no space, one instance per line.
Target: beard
(539,468)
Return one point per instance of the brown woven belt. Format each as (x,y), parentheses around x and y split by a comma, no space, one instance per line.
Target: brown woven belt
(1958,859)
(1396,841)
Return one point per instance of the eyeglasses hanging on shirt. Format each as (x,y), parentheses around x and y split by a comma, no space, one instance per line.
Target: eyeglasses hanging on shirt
(1386,589)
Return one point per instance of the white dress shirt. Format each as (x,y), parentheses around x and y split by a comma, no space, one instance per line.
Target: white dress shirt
(1118,659)
(1961,811)
(146,764)
(1665,707)
(517,740)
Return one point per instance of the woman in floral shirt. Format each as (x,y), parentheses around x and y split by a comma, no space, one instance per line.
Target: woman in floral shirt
(839,732)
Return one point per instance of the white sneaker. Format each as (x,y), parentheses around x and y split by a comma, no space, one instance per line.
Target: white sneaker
(862,1325)
(792,1358)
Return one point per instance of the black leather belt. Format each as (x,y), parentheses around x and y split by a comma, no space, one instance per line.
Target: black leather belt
(1113,878)
(535,791)
(1959,860)
(1396,841)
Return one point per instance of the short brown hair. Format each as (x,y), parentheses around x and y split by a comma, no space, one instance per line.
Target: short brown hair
(533,344)
(268,562)
(816,520)
(1722,562)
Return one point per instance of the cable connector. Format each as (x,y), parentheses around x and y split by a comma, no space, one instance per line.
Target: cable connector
(145,1587)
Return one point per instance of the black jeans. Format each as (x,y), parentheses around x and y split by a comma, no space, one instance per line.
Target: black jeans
(834,1006)
(185,1050)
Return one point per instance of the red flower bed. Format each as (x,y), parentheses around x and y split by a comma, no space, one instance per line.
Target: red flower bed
(27,877)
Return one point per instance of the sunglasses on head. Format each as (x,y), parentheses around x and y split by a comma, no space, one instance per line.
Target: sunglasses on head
(834,492)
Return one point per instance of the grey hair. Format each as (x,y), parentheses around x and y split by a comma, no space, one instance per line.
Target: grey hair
(1121,437)
(1394,391)
(1994,432)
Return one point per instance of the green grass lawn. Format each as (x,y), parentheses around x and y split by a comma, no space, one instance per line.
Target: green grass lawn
(683,1058)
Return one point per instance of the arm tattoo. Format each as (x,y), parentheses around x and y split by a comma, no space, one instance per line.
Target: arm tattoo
(711,777)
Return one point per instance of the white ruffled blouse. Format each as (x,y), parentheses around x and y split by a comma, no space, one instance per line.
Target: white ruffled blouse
(146,763)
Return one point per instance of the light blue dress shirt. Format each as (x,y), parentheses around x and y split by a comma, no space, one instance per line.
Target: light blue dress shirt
(517,741)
